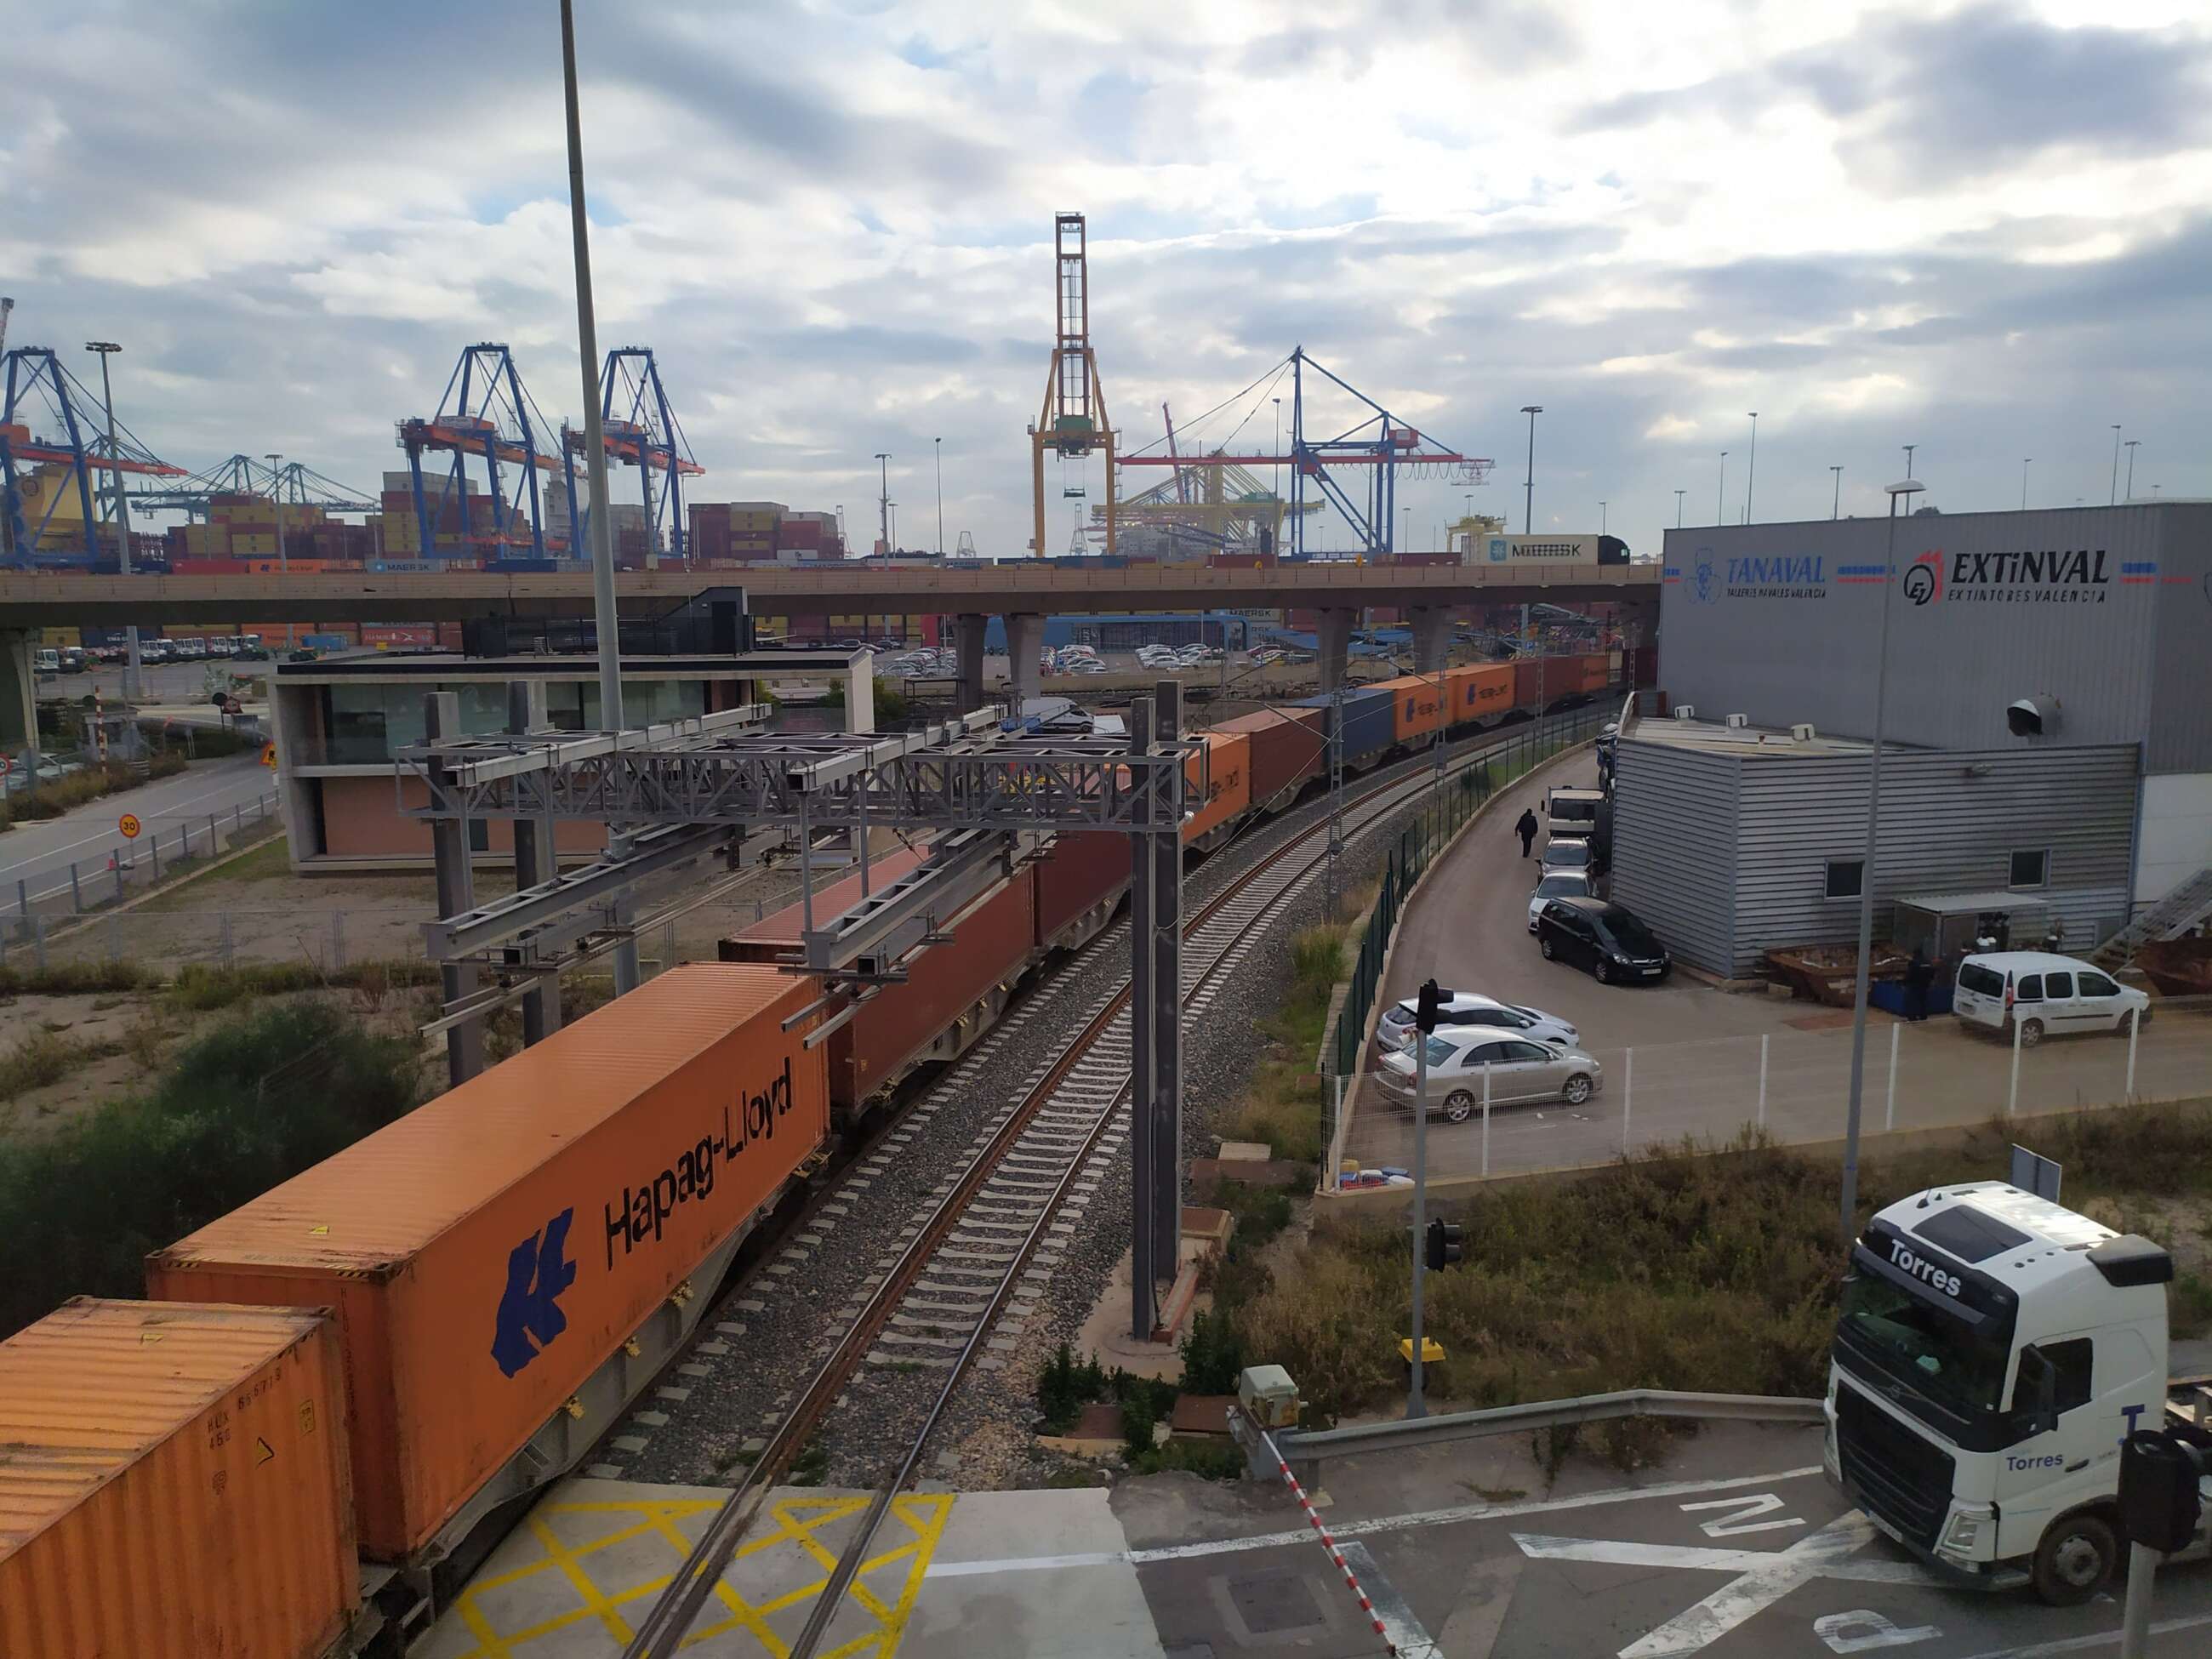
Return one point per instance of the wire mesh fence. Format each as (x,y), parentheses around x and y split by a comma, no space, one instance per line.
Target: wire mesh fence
(1602,1101)
(53,891)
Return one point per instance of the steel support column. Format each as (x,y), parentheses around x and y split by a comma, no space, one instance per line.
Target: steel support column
(1142,1072)
(535,861)
(449,846)
(1024,640)
(1164,845)
(967,651)
(1334,636)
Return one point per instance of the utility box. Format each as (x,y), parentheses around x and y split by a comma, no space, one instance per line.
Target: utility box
(1268,1396)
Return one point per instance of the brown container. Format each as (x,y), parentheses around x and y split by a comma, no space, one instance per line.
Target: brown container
(1288,745)
(1477,694)
(487,1252)
(173,1485)
(1218,783)
(1417,705)
(1083,871)
(920,1019)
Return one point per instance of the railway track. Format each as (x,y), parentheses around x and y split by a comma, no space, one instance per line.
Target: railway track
(976,1261)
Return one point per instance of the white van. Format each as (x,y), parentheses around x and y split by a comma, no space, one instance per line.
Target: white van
(2049,995)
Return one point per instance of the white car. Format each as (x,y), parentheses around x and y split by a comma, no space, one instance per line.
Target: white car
(1558,884)
(2049,996)
(1394,1031)
(1519,1071)
(1565,853)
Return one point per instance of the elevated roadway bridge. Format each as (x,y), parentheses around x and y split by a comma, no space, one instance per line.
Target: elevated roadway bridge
(1023,594)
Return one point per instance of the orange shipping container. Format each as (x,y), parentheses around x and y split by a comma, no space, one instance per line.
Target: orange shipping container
(1417,704)
(1597,671)
(489,1250)
(1217,782)
(172,1485)
(1478,694)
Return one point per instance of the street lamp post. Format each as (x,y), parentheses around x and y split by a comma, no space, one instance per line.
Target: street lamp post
(939,442)
(2116,464)
(2132,442)
(1528,507)
(1601,518)
(1720,491)
(1851,1192)
(1836,505)
(2024,462)
(1751,475)
(277,506)
(120,512)
(1909,448)
(883,499)
(1678,507)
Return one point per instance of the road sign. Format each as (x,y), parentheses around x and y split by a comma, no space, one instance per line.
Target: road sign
(129,824)
(269,755)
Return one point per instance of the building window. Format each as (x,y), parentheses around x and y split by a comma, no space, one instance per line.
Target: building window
(1843,878)
(2030,869)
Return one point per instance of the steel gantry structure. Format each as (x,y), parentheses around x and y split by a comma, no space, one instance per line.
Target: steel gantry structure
(75,437)
(485,414)
(696,790)
(292,485)
(1074,421)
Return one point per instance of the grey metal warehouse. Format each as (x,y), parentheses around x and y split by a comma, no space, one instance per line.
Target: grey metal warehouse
(1733,838)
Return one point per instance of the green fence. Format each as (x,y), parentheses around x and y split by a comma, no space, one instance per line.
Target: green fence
(1430,828)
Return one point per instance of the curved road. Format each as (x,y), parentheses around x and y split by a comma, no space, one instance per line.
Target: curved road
(39,853)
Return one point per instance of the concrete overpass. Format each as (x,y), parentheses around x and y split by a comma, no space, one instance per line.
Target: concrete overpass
(1022,593)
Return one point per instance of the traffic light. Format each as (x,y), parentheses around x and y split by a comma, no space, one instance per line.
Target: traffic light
(1431,1007)
(2158,1505)
(1443,1245)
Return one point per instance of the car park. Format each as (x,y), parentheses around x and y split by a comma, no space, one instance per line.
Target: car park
(1565,853)
(1395,1030)
(1558,884)
(2045,995)
(1606,939)
(1519,1071)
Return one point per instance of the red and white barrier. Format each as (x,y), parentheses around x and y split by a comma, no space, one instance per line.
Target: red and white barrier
(1328,1542)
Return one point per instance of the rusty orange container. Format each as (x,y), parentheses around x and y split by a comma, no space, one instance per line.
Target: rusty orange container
(1478,694)
(1217,782)
(173,1485)
(1417,703)
(490,1250)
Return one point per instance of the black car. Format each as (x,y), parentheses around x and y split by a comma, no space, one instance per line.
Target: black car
(1603,937)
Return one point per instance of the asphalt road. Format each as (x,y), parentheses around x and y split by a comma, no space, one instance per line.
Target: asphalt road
(1682,1058)
(39,853)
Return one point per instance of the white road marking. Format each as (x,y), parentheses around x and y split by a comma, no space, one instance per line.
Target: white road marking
(1740,1521)
(1763,1576)
(1863,1631)
(2088,1643)
(1380,1525)
(1400,1627)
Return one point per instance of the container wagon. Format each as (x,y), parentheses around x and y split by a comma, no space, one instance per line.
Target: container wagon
(1288,749)
(510,1264)
(1081,881)
(1217,788)
(173,1485)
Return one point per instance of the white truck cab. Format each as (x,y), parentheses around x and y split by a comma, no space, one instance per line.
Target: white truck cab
(1992,1351)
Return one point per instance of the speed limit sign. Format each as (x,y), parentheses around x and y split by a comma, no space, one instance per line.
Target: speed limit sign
(129,824)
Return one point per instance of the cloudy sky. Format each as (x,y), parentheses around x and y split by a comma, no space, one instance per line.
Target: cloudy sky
(1983,229)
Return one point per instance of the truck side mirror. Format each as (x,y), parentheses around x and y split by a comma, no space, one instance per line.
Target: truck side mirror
(2038,1388)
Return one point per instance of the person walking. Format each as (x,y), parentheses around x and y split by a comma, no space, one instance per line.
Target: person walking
(1526,828)
(1919,974)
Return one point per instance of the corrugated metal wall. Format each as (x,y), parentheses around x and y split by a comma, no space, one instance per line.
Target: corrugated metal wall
(1674,863)
(1789,639)
(1943,831)
(2181,683)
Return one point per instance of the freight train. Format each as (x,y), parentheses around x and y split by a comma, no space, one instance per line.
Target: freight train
(290,1450)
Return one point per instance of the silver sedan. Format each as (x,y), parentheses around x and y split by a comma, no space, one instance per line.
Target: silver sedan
(1520,1071)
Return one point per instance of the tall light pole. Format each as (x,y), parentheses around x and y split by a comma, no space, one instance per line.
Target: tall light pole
(1678,507)
(940,443)
(1836,505)
(120,512)
(892,508)
(277,506)
(605,620)
(1751,477)
(1851,1192)
(1720,490)
(1528,505)
(883,499)
(2116,464)
(1909,448)
(2132,442)
(2024,461)
(1601,518)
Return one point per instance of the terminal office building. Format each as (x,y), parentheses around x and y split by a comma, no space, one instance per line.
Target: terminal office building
(2048,732)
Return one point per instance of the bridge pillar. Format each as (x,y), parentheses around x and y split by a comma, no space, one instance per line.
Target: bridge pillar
(1335,642)
(1431,639)
(1025,639)
(19,691)
(860,695)
(968,653)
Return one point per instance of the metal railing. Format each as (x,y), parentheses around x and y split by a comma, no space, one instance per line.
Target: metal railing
(49,897)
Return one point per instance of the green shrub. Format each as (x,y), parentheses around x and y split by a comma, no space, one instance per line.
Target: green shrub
(66,979)
(1212,1359)
(44,1057)
(1205,1459)
(1138,1418)
(245,1107)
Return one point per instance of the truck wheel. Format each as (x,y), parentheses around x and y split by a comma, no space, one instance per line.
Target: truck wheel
(2074,1559)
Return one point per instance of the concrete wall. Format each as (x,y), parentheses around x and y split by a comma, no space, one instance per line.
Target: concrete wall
(358,821)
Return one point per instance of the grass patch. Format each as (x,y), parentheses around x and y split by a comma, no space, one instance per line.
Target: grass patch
(1283,1106)
(137,1173)
(44,1057)
(1206,1459)
(2188,1306)
(812,1466)
(69,979)
(200,988)
(269,860)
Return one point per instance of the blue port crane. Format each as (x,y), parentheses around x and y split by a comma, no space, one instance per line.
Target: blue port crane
(292,485)
(639,429)
(53,438)
(485,415)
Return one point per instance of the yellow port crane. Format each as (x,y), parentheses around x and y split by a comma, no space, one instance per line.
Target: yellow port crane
(1074,420)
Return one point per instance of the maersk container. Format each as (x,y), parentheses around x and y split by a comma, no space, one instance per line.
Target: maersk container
(1289,745)
(173,1485)
(487,1254)
(952,993)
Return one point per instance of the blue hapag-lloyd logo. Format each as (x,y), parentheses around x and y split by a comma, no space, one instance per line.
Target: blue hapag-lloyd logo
(538,1271)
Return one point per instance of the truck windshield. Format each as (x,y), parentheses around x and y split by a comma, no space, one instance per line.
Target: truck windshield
(1922,1345)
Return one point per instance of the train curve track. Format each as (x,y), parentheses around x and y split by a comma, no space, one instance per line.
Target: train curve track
(962,1269)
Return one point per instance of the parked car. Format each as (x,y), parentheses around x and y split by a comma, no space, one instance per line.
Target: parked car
(2048,995)
(1565,853)
(1395,1030)
(1605,938)
(1520,1071)
(1558,884)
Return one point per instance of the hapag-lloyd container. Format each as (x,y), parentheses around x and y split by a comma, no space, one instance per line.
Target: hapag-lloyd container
(173,1485)
(1478,694)
(488,1252)
(1417,705)
(1217,782)
(1288,746)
